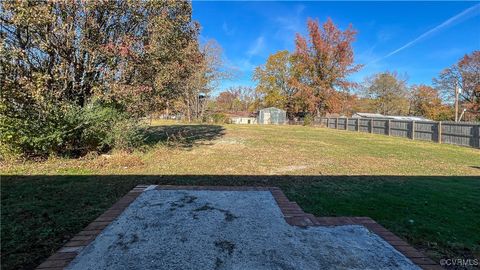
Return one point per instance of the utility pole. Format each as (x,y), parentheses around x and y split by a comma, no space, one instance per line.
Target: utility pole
(456,101)
(461,115)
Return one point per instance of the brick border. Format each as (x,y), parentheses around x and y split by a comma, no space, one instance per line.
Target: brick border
(295,216)
(70,250)
(292,212)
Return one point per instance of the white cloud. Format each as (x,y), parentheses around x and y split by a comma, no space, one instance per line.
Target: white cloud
(241,69)
(228,30)
(239,66)
(367,56)
(384,35)
(244,65)
(257,46)
(289,25)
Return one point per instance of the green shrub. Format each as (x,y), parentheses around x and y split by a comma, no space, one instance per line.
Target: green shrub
(68,130)
(106,127)
(35,134)
(308,120)
(127,135)
(219,118)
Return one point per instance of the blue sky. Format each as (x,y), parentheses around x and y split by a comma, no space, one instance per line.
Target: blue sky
(416,38)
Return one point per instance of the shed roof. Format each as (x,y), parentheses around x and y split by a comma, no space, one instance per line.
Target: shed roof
(270,108)
(394,117)
(370,115)
(240,114)
(409,118)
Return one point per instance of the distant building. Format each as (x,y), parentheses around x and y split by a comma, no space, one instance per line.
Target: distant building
(242,118)
(393,117)
(409,118)
(272,115)
(368,115)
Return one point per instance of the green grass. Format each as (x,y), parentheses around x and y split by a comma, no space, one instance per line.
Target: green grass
(426,193)
(440,216)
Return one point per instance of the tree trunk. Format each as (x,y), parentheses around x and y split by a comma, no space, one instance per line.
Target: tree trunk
(188,111)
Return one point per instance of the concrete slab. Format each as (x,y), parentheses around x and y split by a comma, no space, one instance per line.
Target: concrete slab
(200,229)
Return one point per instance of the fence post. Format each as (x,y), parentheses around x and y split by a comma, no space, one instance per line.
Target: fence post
(371,125)
(336,123)
(388,127)
(476,138)
(346,123)
(439,132)
(328,122)
(413,130)
(358,124)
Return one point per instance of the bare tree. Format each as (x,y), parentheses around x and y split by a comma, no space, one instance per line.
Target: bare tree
(464,75)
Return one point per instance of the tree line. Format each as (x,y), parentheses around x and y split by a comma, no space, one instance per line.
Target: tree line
(313,80)
(77,75)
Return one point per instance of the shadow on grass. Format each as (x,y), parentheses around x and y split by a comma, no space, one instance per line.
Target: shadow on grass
(437,214)
(183,135)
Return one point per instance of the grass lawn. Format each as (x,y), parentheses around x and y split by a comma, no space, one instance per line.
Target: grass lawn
(424,192)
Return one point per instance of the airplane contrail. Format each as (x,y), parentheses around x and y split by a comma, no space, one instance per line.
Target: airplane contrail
(452,20)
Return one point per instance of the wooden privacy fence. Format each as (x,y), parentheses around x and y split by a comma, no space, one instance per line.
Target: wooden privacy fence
(459,133)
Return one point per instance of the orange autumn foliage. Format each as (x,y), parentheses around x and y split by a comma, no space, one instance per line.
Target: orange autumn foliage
(323,63)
